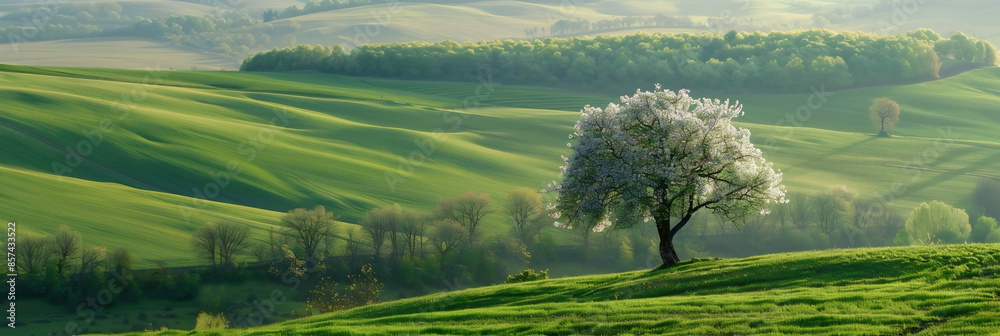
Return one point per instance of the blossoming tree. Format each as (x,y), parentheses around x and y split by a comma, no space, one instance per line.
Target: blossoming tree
(662,156)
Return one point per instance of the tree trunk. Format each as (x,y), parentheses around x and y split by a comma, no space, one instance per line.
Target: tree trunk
(667,252)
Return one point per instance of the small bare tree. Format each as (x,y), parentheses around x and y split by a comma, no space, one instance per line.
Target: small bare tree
(310,228)
(800,210)
(91,259)
(32,252)
(412,225)
(354,248)
(467,209)
(522,205)
(120,261)
(206,242)
(232,240)
(884,114)
(382,223)
(66,245)
(448,235)
(833,208)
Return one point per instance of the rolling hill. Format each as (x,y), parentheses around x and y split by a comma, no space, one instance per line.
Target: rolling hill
(474,21)
(190,147)
(934,290)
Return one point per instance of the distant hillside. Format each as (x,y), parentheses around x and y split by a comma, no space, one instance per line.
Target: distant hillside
(892,291)
(434,21)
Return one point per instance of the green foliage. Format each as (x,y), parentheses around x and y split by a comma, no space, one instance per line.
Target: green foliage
(312,230)
(935,223)
(364,289)
(766,62)
(983,229)
(986,197)
(994,237)
(208,321)
(626,252)
(962,48)
(884,113)
(833,208)
(527,275)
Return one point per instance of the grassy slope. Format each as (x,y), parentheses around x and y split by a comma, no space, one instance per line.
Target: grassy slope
(117,52)
(916,290)
(348,133)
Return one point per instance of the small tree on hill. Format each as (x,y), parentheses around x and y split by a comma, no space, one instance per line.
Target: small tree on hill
(412,226)
(663,156)
(833,208)
(935,223)
(885,115)
(523,204)
(91,259)
(65,246)
(232,240)
(467,209)
(32,253)
(382,223)
(310,228)
(120,261)
(206,243)
(448,235)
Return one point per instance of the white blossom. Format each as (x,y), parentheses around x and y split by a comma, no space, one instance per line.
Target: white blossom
(662,155)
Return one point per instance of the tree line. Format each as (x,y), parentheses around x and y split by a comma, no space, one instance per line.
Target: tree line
(223,32)
(414,249)
(775,61)
(839,218)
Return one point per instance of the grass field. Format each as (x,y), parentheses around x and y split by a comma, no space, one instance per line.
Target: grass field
(934,290)
(116,52)
(352,144)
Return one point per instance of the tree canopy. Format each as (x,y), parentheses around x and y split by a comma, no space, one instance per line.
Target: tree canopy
(775,61)
(935,223)
(663,156)
(884,113)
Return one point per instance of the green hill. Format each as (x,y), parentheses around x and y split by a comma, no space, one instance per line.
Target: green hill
(352,144)
(932,290)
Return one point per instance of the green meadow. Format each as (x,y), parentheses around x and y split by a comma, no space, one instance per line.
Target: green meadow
(181,148)
(933,290)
